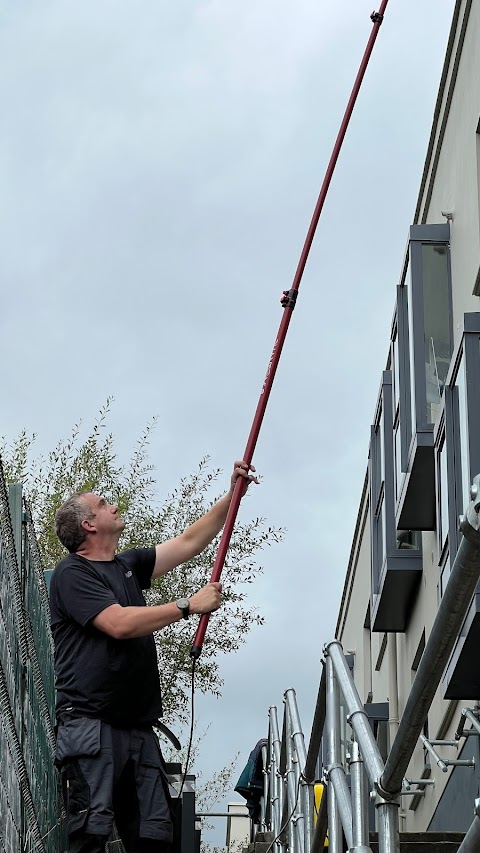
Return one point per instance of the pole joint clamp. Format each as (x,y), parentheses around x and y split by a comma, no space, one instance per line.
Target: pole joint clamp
(376,18)
(289,298)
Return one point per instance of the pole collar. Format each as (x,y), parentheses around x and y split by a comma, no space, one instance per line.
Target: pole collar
(289,298)
(380,796)
(331,768)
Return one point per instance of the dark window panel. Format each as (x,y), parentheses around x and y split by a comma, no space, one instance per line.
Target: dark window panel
(425,339)
(396,555)
(461,410)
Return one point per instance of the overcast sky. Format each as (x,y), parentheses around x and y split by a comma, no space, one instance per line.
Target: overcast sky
(160,163)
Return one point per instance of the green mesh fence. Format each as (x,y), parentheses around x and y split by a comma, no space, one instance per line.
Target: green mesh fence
(31,819)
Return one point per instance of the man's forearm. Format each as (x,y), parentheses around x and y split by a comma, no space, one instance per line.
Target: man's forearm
(204,530)
(125,623)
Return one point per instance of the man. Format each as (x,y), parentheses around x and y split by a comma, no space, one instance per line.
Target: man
(108,689)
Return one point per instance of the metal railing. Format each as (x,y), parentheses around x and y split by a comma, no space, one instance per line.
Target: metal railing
(290,769)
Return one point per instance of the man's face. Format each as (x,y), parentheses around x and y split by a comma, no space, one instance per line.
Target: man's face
(104,516)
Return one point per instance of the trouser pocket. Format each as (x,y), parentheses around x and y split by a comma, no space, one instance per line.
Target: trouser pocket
(76,738)
(76,795)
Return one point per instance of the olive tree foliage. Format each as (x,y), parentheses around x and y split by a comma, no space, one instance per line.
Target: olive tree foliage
(90,464)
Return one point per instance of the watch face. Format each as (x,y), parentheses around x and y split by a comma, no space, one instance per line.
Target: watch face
(183,604)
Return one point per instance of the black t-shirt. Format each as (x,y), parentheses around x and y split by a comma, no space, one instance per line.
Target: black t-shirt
(114,680)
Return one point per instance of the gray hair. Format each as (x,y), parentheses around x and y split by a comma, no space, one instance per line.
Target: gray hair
(68,522)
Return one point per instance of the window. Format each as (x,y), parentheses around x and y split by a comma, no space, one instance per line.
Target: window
(461,413)
(429,320)
(447,488)
(396,555)
(476,289)
(367,656)
(425,343)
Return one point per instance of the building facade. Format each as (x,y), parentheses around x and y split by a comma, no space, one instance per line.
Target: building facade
(424,453)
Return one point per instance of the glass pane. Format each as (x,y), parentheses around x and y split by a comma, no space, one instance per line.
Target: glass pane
(409,540)
(443,494)
(398,459)
(379,539)
(381,452)
(463,435)
(436,306)
(383,536)
(396,372)
(411,358)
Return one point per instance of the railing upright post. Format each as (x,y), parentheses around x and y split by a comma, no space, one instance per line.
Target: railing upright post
(293,781)
(387,808)
(301,752)
(335,771)
(335,833)
(359,803)
(264,803)
(277,780)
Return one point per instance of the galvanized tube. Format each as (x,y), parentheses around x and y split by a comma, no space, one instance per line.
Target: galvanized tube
(335,835)
(293,787)
(393,719)
(359,803)
(471,842)
(309,805)
(278,787)
(273,780)
(387,823)
(448,622)
(299,744)
(336,773)
(338,779)
(469,715)
(357,716)
(317,730)
(266,790)
(428,746)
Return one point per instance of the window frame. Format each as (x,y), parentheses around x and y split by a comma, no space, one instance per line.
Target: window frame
(388,561)
(416,433)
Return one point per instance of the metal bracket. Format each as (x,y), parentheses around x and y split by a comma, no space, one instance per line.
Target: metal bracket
(329,769)
(421,782)
(376,18)
(379,800)
(418,793)
(289,298)
(445,763)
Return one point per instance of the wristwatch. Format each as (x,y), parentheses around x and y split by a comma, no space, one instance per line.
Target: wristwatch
(183,604)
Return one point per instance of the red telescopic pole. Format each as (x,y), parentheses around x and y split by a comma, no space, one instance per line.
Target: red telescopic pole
(288,302)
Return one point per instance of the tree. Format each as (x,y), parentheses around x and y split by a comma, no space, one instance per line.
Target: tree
(90,464)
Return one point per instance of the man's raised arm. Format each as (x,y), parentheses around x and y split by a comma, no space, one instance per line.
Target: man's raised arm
(198,535)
